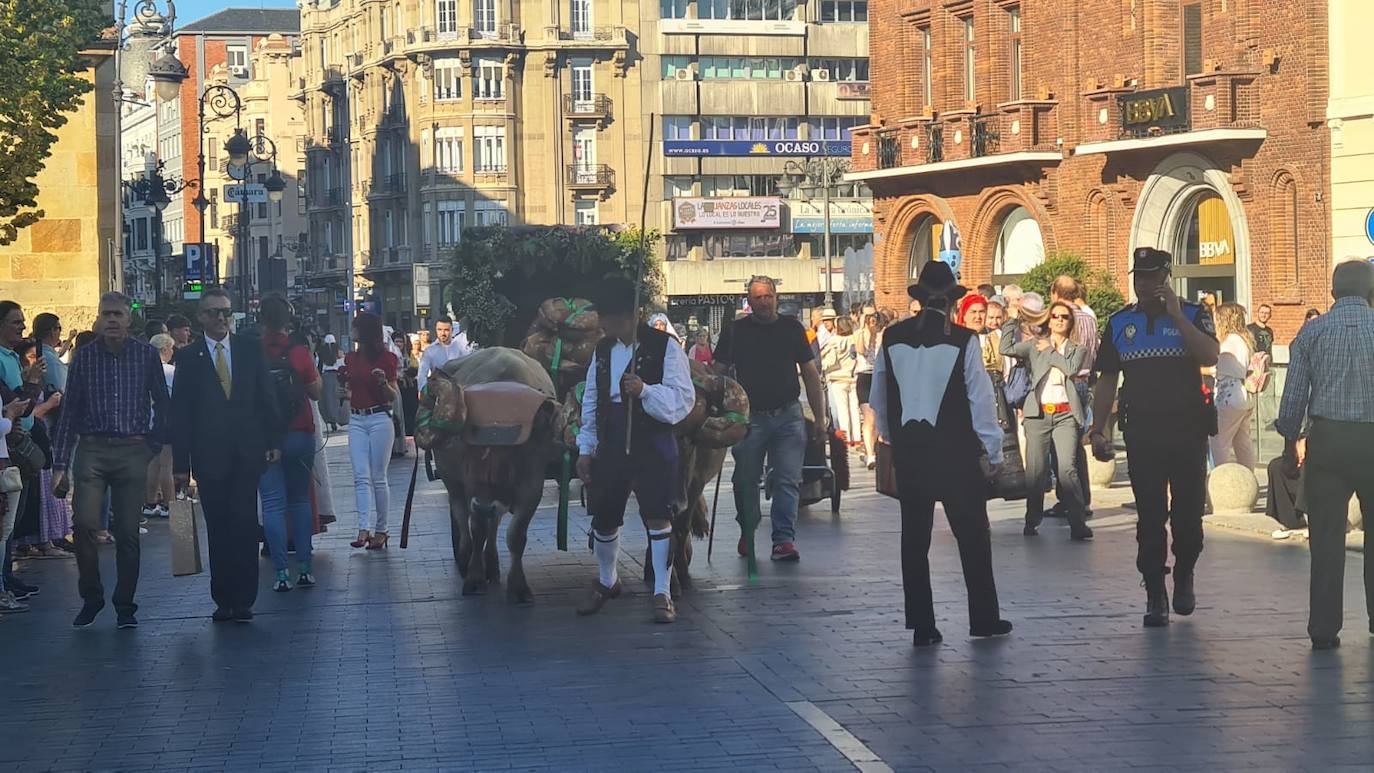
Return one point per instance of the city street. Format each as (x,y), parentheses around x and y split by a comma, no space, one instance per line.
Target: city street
(384,666)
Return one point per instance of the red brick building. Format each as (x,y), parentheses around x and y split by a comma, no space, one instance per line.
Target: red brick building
(1035,126)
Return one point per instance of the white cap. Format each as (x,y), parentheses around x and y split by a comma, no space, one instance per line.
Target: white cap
(330,339)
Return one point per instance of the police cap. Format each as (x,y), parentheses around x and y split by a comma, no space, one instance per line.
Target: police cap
(1148,260)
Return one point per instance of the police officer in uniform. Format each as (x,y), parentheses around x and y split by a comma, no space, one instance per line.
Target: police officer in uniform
(1158,345)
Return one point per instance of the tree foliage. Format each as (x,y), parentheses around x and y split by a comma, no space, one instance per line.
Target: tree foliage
(501,274)
(1102,295)
(40,83)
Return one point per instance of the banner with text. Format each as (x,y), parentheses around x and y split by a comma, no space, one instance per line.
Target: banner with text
(743,212)
(756,147)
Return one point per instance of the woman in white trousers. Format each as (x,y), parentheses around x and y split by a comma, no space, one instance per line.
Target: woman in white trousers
(1234,405)
(371,383)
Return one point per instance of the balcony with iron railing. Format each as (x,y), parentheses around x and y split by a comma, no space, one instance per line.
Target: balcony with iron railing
(590,176)
(595,106)
(387,185)
(1212,106)
(423,38)
(930,144)
(388,258)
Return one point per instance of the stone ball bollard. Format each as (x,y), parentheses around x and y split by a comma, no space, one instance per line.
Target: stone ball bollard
(1355,515)
(1100,474)
(1233,488)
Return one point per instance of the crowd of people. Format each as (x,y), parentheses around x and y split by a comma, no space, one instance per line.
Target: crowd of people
(966,389)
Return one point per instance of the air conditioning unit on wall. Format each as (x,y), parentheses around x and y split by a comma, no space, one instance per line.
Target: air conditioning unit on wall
(238,71)
(792,75)
(820,75)
(683,74)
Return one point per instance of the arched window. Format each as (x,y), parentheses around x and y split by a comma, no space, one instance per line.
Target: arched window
(925,244)
(1019,247)
(1283,238)
(1099,230)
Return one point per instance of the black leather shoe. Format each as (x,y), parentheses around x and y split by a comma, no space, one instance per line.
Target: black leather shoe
(998,628)
(243,615)
(1185,600)
(1326,644)
(126,620)
(926,638)
(87,614)
(222,615)
(1030,531)
(1082,535)
(1157,609)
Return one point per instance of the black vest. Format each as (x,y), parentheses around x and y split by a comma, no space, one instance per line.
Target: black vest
(936,449)
(652,347)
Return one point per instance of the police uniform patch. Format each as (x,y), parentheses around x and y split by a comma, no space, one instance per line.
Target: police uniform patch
(1130,332)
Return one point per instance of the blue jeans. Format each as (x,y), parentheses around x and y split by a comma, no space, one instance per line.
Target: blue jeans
(780,436)
(285,490)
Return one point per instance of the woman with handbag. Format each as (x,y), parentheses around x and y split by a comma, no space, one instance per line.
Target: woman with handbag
(369,379)
(1234,406)
(1054,415)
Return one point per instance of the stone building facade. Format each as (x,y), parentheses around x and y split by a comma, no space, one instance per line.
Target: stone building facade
(63,263)
(1196,126)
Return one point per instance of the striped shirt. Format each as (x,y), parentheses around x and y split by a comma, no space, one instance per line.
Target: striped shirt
(1329,369)
(112,395)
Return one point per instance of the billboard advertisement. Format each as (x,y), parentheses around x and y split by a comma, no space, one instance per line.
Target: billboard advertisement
(743,212)
(756,147)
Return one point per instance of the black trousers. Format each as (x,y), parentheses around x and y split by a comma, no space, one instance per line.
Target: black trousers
(967,512)
(119,466)
(1169,480)
(651,472)
(230,502)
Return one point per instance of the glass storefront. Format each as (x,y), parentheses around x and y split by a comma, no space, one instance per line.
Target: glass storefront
(1019,247)
(1205,251)
(925,245)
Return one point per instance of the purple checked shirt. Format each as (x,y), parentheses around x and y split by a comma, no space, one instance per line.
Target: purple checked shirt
(112,395)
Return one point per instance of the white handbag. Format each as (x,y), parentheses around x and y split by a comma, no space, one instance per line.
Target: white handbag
(11,482)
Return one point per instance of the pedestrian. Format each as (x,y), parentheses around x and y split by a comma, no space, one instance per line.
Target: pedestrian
(24,382)
(1285,501)
(41,520)
(329,360)
(1054,416)
(179,328)
(161,489)
(766,352)
(839,359)
(446,348)
(14,407)
(934,404)
(407,381)
(1264,335)
(47,331)
(866,344)
(660,394)
(153,327)
(1235,407)
(1330,389)
(398,428)
(1068,290)
(701,349)
(997,314)
(228,430)
(369,379)
(1159,345)
(1013,294)
(116,405)
(986,291)
(285,485)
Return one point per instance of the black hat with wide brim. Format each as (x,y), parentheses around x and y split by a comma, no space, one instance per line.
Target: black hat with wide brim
(937,280)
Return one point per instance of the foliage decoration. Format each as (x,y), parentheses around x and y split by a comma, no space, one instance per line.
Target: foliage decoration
(41,82)
(1102,295)
(501,274)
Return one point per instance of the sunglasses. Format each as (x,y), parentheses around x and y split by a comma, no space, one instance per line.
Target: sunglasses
(225,313)
(1061,316)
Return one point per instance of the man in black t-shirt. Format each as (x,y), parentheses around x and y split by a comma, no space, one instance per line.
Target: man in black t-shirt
(766,351)
(1264,335)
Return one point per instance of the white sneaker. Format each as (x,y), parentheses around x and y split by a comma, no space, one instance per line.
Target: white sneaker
(10,605)
(1280,534)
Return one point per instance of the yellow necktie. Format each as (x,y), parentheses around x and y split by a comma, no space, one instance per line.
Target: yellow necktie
(222,368)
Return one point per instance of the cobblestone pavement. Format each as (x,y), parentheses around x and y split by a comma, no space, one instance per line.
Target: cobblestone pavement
(385,667)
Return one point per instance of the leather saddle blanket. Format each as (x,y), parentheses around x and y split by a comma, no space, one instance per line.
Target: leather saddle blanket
(501,413)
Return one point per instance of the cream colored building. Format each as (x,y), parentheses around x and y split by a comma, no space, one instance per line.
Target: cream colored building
(62,263)
(277,232)
(426,117)
(1350,117)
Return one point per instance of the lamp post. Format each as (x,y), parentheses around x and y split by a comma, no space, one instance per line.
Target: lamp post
(807,176)
(156,192)
(245,153)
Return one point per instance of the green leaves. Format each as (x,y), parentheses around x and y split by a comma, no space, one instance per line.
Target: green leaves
(1100,286)
(502,274)
(40,82)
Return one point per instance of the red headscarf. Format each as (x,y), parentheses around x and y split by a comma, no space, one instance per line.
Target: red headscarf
(970,300)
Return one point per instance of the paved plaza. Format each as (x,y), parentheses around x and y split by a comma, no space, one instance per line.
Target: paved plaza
(384,666)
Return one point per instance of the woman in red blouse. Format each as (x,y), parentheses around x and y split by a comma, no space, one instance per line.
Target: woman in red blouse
(369,377)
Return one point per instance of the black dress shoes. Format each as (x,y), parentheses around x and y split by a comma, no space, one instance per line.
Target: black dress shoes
(243,615)
(1326,644)
(87,614)
(222,615)
(926,638)
(996,628)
